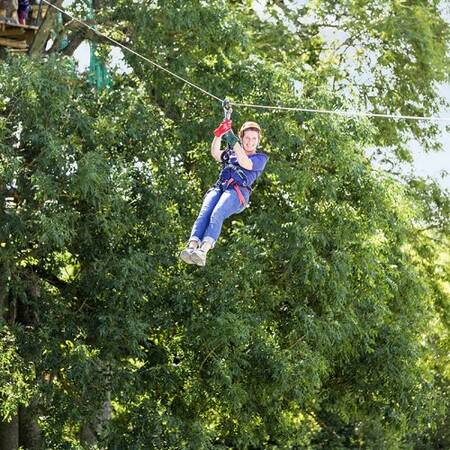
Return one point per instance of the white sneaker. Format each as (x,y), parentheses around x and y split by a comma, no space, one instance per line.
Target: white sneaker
(186,255)
(199,257)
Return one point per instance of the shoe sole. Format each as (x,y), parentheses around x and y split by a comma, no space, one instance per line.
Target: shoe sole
(186,257)
(197,260)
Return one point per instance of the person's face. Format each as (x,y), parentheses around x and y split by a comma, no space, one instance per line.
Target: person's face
(250,141)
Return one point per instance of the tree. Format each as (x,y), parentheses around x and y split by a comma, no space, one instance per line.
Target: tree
(309,327)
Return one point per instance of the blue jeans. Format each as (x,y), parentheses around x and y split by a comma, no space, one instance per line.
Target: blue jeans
(217,206)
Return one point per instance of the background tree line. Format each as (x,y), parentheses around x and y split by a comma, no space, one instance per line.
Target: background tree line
(322,318)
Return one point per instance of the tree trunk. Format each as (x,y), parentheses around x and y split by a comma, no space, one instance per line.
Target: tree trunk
(88,438)
(37,47)
(8,304)
(9,434)
(91,432)
(29,432)
(30,436)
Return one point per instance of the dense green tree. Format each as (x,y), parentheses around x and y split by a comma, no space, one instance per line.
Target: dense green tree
(321,319)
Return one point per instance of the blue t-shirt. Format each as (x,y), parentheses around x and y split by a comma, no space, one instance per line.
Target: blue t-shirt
(243,176)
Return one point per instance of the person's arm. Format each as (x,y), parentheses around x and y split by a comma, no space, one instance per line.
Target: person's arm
(222,129)
(215,148)
(244,161)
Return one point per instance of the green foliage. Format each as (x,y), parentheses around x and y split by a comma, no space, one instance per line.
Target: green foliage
(16,376)
(321,318)
(391,54)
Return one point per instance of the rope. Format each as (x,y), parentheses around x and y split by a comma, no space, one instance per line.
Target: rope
(249,105)
(342,113)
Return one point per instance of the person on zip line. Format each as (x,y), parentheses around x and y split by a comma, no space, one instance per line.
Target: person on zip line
(242,164)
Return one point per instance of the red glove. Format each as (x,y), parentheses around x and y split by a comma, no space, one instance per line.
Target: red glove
(223,128)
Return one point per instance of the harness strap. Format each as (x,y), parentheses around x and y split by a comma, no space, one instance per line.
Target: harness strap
(237,188)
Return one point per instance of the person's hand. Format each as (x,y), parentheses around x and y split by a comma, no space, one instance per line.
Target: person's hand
(230,138)
(223,128)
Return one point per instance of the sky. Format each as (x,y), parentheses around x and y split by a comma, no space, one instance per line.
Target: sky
(432,164)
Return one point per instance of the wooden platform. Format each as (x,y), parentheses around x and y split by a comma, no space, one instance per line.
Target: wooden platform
(16,36)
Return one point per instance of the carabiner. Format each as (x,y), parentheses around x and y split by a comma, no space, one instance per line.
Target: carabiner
(227,109)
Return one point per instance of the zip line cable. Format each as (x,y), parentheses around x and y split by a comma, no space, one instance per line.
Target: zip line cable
(130,50)
(248,105)
(342,113)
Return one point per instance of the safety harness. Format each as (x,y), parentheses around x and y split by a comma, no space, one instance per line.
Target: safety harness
(225,183)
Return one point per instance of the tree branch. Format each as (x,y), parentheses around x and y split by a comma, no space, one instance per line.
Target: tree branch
(37,47)
(49,277)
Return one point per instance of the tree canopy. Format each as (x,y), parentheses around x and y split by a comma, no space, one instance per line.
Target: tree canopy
(322,317)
